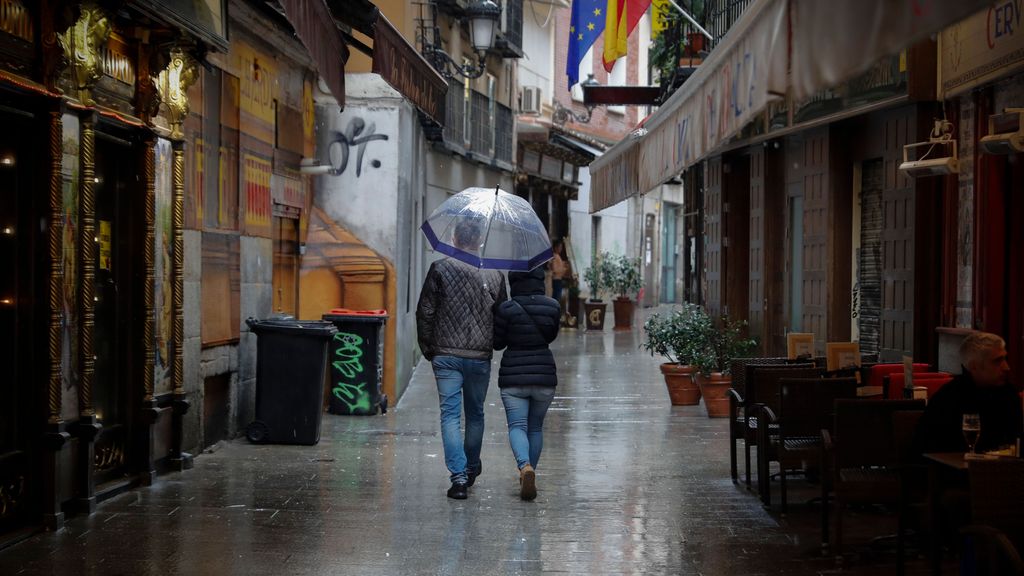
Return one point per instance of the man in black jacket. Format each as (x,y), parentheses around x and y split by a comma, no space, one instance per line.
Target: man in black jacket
(454,324)
(984,389)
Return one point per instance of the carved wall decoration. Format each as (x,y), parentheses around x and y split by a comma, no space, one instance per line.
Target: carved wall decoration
(173,84)
(82,44)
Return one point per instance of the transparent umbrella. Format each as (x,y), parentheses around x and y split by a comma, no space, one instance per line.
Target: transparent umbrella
(489,228)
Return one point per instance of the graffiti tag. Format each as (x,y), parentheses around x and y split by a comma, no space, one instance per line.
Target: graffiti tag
(348,362)
(358,135)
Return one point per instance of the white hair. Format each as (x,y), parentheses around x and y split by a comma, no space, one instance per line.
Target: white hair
(977,344)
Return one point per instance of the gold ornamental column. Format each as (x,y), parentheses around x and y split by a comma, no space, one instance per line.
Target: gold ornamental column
(55,436)
(81,44)
(173,84)
(150,410)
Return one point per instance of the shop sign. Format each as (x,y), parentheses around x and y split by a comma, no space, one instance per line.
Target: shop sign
(981,48)
(258,75)
(401,66)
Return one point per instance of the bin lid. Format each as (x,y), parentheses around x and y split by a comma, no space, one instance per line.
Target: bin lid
(344,314)
(291,325)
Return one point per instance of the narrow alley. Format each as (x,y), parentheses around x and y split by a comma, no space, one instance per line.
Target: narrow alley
(627,485)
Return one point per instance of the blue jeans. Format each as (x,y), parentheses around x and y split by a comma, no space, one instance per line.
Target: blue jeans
(458,378)
(525,407)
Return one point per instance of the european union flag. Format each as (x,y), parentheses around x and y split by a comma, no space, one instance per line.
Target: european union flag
(586,25)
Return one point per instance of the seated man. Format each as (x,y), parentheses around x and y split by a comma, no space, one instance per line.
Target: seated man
(984,389)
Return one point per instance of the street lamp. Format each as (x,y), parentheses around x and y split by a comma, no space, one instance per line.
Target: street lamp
(483,16)
(561,115)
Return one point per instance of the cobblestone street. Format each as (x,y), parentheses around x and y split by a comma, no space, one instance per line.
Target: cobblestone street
(627,485)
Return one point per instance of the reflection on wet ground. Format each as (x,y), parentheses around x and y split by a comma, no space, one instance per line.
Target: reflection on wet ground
(627,485)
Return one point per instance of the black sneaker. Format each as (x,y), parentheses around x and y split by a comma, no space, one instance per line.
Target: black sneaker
(472,477)
(458,491)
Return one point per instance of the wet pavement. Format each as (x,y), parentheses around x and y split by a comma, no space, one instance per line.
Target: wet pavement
(627,485)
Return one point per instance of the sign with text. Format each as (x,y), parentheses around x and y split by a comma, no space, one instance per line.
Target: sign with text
(981,48)
(401,66)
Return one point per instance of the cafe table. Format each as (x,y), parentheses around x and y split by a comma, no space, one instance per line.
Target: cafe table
(945,470)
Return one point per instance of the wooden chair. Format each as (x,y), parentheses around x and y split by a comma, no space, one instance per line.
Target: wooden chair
(805,409)
(763,387)
(997,510)
(861,453)
(739,415)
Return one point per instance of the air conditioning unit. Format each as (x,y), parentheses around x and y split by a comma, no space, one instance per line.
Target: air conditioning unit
(529,102)
(941,157)
(1005,132)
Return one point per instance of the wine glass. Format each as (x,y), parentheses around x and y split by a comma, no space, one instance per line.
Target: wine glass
(972,430)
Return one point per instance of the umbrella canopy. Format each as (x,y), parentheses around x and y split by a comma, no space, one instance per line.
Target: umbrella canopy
(489,228)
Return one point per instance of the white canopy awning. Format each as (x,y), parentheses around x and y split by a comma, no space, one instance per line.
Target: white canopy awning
(831,42)
(731,87)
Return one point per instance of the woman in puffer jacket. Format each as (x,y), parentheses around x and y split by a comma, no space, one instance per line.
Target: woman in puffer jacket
(526,324)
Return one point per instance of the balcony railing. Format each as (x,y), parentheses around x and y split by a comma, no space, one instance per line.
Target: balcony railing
(485,134)
(722,14)
(510,41)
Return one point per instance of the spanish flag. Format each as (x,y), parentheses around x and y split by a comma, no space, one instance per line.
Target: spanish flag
(621,17)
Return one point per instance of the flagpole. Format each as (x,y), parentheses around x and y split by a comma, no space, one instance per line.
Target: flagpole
(692,21)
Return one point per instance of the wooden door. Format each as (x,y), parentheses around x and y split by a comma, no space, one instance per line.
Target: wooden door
(897,239)
(713,269)
(814,175)
(757,301)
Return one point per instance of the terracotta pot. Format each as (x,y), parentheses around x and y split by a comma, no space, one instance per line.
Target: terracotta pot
(713,388)
(623,308)
(595,315)
(682,390)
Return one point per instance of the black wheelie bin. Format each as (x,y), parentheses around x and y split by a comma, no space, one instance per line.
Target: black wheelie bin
(291,366)
(356,362)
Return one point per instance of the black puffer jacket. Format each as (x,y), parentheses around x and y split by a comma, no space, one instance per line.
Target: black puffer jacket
(455,313)
(526,324)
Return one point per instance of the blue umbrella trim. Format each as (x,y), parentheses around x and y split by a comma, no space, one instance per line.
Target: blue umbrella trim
(489,263)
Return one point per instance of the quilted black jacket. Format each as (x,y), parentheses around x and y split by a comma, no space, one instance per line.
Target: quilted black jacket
(526,324)
(455,314)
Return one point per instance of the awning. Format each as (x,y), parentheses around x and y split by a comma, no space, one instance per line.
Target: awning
(315,27)
(729,89)
(835,41)
(394,58)
(831,41)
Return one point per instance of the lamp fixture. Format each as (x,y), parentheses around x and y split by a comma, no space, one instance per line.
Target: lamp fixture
(927,164)
(561,115)
(483,17)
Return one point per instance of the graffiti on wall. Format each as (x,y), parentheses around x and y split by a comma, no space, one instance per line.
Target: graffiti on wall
(348,364)
(357,135)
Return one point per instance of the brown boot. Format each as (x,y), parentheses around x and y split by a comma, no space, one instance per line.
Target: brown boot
(527,483)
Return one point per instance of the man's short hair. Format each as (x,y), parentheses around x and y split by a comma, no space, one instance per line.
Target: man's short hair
(977,344)
(467,235)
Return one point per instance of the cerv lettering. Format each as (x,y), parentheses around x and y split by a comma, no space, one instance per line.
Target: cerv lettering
(348,354)
(358,134)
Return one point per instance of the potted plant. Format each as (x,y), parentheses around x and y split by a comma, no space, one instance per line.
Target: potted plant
(599,279)
(625,283)
(723,341)
(678,337)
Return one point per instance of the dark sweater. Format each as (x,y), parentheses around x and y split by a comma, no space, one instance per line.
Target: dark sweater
(526,324)
(940,428)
